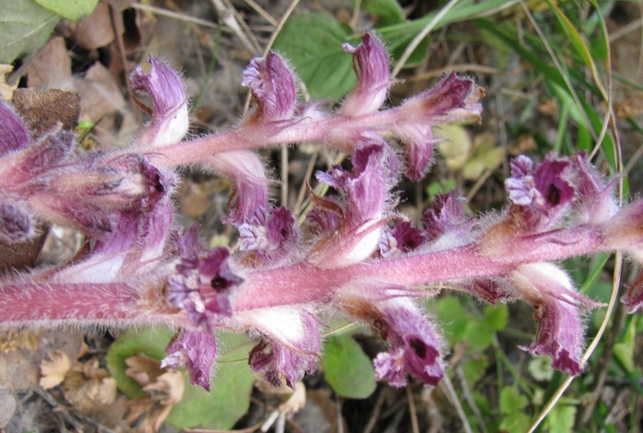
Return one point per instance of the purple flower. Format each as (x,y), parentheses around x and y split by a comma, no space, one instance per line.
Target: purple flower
(250,194)
(402,238)
(370,64)
(170,120)
(271,237)
(201,285)
(541,196)
(365,192)
(290,346)
(414,345)
(453,98)
(557,305)
(273,88)
(194,349)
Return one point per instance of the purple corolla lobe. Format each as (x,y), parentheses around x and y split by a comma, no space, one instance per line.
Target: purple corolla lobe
(273,88)
(170,120)
(196,350)
(370,64)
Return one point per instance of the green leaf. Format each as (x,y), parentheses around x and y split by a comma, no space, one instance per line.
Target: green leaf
(479,335)
(386,12)
(453,318)
(516,422)
(561,419)
(572,34)
(71,9)
(512,401)
(496,316)
(624,349)
(228,399)
(540,368)
(24,28)
(148,341)
(474,369)
(312,42)
(347,369)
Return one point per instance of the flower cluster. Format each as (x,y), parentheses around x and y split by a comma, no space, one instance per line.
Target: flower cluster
(352,253)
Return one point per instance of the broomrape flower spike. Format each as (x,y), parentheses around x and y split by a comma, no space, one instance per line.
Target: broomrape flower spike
(353,253)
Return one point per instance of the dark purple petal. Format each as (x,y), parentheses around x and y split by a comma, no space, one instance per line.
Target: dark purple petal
(407,237)
(13,133)
(415,347)
(170,120)
(542,196)
(273,87)
(365,188)
(370,64)
(414,344)
(201,285)
(196,350)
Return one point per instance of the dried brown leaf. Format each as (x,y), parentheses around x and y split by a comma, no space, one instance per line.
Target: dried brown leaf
(53,372)
(52,68)
(96,30)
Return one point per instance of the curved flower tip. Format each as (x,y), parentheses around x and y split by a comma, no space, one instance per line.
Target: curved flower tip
(273,87)
(370,64)
(201,285)
(453,98)
(557,305)
(250,195)
(196,350)
(290,347)
(13,132)
(415,347)
(541,195)
(170,119)
(365,193)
